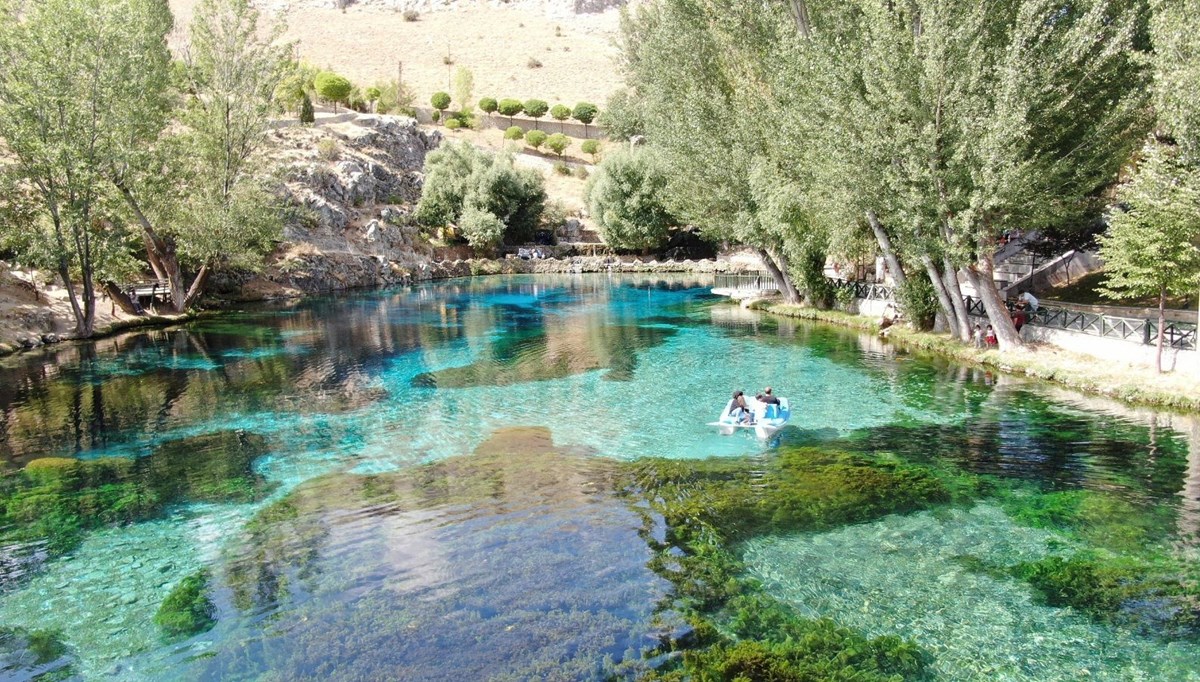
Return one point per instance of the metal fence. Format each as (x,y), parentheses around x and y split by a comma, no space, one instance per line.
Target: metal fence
(865,290)
(1177,335)
(745,281)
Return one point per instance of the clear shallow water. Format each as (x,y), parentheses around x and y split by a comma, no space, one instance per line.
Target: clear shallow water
(531,568)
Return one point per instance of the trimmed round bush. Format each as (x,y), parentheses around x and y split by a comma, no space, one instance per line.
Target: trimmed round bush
(514,133)
(558,143)
(535,138)
(488,105)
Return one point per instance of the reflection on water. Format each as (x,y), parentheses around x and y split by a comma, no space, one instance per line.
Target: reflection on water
(382,483)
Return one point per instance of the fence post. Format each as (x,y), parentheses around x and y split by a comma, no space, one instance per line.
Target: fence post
(1146,333)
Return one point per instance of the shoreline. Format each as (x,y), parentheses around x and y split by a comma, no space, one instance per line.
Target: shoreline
(1075,371)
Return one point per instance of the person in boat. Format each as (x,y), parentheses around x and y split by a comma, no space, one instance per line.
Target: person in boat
(768,397)
(739,409)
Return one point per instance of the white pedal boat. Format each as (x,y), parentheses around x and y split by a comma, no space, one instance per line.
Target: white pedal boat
(768,418)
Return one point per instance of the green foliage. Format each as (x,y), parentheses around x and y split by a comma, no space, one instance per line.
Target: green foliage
(440,101)
(395,99)
(918,301)
(510,108)
(560,113)
(331,87)
(296,83)
(482,229)
(1175,32)
(514,133)
(535,138)
(35,654)
(622,117)
(373,93)
(488,105)
(1152,247)
(458,176)
(585,112)
(591,147)
(328,149)
(307,115)
(188,610)
(558,143)
(454,123)
(464,86)
(535,109)
(435,116)
(625,198)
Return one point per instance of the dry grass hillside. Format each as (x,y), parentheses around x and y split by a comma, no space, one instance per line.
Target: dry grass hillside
(577,52)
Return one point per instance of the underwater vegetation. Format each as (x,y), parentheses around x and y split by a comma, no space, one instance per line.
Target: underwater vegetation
(188,609)
(34,655)
(54,500)
(738,631)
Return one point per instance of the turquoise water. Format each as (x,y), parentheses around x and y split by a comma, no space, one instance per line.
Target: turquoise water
(399,558)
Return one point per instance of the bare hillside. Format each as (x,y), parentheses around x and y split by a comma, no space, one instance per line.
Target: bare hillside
(499,43)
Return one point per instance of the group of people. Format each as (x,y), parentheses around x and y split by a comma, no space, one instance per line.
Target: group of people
(740,411)
(1025,305)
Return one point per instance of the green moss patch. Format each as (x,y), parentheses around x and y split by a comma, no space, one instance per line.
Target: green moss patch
(188,610)
(34,655)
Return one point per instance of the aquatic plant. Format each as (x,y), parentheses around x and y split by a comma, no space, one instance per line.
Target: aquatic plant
(1101,519)
(188,609)
(38,654)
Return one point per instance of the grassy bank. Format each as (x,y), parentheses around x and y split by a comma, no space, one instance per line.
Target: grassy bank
(1074,370)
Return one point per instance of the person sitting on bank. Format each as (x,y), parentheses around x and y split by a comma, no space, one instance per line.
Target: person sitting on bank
(1029,300)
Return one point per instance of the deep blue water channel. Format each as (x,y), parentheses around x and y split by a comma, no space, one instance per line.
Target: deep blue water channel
(411,485)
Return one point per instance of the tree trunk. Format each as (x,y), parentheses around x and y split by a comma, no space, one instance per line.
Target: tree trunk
(939,288)
(123,300)
(780,276)
(197,287)
(799,9)
(885,245)
(160,251)
(89,302)
(980,274)
(1162,323)
(64,271)
(954,290)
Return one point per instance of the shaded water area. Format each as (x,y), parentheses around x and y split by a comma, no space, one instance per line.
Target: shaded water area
(511,479)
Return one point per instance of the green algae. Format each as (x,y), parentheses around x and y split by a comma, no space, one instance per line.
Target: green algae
(55,500)
(188,609)
(1099,519)
(710,506)
(34,655)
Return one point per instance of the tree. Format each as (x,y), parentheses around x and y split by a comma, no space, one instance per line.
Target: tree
(585,113)
(624,196)
(591,147)
(296,83)
(200,199)
(464,85)
(514,133)
(535,109)
(373,93)
(558,143)
(395,97)
(307,115)
(535,138)
(622,116)
(560,113)
(1152,247)
(459,177)
(332,87)
(483,229)
(82,82)
(488,105)
(441,102)
(510,108)
(1175,31)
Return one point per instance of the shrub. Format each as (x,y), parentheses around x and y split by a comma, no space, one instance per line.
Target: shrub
(332,87)
(454,123)
(918,302)
(534,63)
(464,86)
(558,143)
(535,109)
(373,93)
(395,98)
(488,105)
(510,108)
(187,610)
(624,197)
(591,147)
(411,15)
(562,168)
(328,149)
(514,133)
(482,228)
(582,173)
(622,117)
(560,113)
(585,113)
(307,115)
(535,138)
(435,116)
(440,101)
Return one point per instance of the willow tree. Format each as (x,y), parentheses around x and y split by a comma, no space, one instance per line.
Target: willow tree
(703,106)
(197,194)
(67,71)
